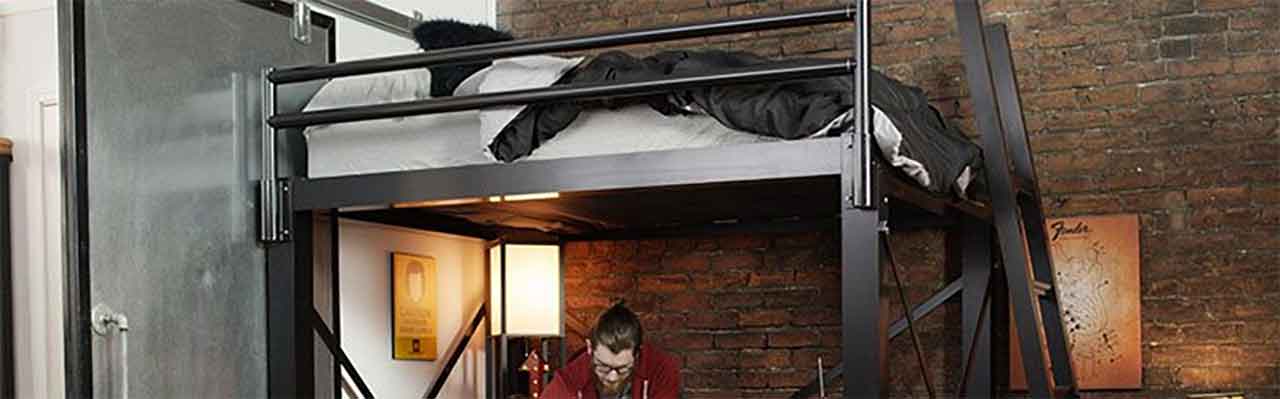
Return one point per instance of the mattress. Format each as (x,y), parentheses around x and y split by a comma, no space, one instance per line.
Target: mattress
(460,138)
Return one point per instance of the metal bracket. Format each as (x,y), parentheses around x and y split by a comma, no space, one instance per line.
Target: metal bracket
(302,21)
(271,189)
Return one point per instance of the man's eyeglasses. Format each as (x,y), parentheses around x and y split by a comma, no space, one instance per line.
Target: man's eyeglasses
(604,369)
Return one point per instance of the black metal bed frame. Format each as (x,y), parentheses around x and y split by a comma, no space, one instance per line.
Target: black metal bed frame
(866,190)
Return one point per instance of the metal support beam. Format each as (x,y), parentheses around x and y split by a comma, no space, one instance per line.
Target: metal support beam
(858,194)
(861,216)
(331,342)
(897,328)
(974,244)
(927,307)
(861,333)
(458,346)
(290,342)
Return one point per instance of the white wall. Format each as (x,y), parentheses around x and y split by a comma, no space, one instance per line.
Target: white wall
(356,41)
(28,115)
(364,256)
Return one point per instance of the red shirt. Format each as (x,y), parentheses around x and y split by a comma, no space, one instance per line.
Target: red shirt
(660,369)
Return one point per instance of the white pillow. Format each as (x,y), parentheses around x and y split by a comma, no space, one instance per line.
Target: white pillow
(519,73)
(406,85)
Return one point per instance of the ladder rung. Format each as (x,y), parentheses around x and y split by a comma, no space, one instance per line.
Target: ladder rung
(1042,289)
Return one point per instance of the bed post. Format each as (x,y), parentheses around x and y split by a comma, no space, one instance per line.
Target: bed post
(860,220)
(972,238)
(290,340)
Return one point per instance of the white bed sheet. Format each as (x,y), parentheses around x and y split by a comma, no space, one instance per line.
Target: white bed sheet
(444,140)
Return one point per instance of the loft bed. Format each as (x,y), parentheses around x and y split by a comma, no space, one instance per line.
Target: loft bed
(835,181)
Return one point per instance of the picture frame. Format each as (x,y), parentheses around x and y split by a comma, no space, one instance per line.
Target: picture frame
(1097,260)
(413,307)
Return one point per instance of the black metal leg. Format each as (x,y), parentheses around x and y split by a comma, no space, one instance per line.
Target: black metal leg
(290,341)
(860,303)
(7,383)
(976,264)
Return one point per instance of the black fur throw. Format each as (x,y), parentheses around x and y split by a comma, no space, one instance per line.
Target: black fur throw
(445,33)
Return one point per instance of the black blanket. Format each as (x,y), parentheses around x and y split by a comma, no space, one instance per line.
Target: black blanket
(789,110)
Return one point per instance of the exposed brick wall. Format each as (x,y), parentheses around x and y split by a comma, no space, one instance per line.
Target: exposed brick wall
(1165,108)
(749,315)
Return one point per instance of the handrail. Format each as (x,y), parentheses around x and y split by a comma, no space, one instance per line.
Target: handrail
(486,52)
(557,93)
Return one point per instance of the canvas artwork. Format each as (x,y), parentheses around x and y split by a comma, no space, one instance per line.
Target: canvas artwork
(1096,259)
(413,307)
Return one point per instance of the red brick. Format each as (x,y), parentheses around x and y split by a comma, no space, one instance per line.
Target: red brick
(744,242)
(695,262)
(1220,5)
(793,339)
(711,360)
(737,299)
(1201,378)
(709,379)
(771,279)
(764,318)
(692,302)
(737,260)
(721,280)
(740,340)
(687,341)
(712,320)
(764,359)
(666,283)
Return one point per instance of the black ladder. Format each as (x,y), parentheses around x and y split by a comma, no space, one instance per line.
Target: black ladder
(1016,208)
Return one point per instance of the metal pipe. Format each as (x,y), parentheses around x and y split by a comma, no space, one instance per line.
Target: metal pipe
(301,27)
(862,139)
(269,196)
(471,54)
(122,324)
(554,94)
(372,14)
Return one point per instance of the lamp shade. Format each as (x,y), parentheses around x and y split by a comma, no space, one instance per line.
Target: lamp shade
(525,290)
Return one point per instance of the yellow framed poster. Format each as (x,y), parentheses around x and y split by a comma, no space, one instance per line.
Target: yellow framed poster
(413,307)
(1097,262)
